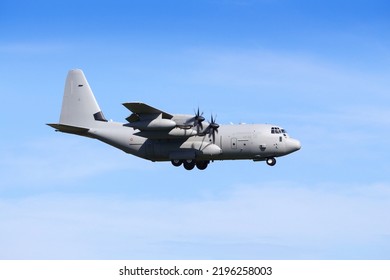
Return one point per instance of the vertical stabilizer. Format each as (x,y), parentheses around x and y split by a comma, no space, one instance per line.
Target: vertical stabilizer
(79,106)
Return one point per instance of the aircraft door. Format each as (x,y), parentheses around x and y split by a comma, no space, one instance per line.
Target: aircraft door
(242,144)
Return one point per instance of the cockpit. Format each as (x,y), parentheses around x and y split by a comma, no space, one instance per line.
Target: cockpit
(278,130)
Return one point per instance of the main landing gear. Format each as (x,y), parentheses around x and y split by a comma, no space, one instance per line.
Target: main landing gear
(271,161)
(190,164)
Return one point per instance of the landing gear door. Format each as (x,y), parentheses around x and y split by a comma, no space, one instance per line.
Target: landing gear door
(149,149)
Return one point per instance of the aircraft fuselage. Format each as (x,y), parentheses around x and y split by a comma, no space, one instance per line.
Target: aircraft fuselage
(242,141)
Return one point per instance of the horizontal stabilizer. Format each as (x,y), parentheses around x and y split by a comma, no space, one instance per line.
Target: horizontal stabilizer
(69,128)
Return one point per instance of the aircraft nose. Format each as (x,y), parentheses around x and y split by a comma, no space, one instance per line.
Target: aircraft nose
(293,145)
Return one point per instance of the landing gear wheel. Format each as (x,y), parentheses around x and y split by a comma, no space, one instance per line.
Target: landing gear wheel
(176,162)
(189,164)
(271,161)
(202,165)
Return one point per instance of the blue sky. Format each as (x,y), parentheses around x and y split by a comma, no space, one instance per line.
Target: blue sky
(320,69)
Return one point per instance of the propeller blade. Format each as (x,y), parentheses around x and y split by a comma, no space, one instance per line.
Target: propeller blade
(198,119)
(213,128)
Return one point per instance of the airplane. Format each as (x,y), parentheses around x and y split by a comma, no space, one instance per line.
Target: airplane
(155,135)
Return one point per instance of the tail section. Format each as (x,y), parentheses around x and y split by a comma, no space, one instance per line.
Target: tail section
(79,107)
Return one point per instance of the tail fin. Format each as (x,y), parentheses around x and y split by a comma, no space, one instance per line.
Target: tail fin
(79,106)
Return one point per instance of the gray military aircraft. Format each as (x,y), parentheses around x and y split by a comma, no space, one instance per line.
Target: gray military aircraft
(188,140)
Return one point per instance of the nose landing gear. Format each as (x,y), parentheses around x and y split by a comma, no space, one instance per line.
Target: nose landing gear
(271,161)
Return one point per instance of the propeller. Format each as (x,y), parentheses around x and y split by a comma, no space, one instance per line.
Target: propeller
(198,119)
(213,127)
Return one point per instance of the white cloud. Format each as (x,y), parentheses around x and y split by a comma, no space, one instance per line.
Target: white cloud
(43,161)
(276,220)
(273,70)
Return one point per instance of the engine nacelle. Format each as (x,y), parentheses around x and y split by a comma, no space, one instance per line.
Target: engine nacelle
(155,124)
(211,150)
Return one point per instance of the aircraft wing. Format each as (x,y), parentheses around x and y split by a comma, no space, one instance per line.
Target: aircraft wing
(142,109)
(145,117)
(153,123)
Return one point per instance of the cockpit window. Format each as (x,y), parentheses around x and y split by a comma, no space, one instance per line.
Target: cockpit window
(277,130)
